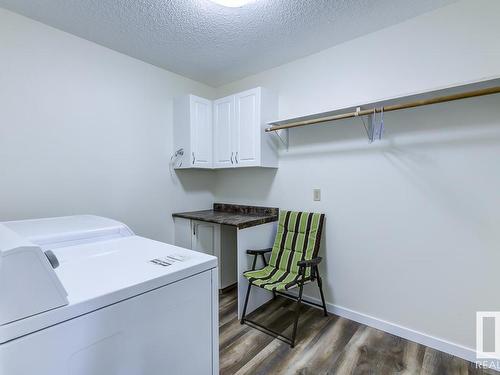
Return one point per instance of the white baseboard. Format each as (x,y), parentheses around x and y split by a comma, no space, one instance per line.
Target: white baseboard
(457,350)
(406,333)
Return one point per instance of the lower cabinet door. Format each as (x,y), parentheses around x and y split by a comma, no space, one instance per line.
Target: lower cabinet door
(206,237)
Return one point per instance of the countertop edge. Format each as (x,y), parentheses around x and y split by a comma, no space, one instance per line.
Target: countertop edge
(249,224)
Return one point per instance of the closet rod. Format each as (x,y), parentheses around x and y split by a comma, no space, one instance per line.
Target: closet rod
(389,108)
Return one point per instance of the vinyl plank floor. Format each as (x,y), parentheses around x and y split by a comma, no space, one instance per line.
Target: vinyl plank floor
(325,345)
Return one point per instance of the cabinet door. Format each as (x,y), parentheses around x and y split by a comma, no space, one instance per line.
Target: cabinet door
(206,237)
(247,131)
(223,128)
(201,132)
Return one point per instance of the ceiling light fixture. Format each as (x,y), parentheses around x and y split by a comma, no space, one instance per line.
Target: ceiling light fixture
(232,3)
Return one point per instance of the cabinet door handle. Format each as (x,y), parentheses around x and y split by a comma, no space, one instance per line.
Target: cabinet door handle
(194,159)
(232,157)
(236,157)
(194,229)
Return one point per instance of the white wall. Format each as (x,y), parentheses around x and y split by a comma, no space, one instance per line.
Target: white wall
(84,129)
(411,232)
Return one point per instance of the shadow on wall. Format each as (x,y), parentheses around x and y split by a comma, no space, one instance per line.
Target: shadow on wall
(254,184)
(193,180)
(424,145)
(311,290)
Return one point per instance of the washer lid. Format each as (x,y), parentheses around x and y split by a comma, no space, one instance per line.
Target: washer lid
(106,272)
(50,233)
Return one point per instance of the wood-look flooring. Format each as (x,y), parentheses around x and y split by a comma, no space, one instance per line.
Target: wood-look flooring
(325,345)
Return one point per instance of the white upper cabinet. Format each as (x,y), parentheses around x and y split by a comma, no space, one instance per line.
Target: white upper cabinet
(247,128)
(223,132)
(201,127)
(232,136)
(193,132)
(243,142)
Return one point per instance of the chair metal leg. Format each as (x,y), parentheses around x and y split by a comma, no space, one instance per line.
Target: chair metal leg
(320,285)
(254,262)
(297,315)
(242,321)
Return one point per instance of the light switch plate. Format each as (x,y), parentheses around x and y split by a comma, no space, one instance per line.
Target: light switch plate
(317,195)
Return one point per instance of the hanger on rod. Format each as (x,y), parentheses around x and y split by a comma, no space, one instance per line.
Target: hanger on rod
(375,128)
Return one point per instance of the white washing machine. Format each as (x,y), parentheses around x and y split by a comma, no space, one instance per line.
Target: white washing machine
(83,295)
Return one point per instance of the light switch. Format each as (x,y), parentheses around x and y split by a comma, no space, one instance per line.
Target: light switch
(316,194)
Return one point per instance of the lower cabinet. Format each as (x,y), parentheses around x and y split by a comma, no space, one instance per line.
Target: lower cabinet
(213,239)
(205,238)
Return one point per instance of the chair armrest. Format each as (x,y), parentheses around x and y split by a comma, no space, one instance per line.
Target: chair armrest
(309,263)
(259,251)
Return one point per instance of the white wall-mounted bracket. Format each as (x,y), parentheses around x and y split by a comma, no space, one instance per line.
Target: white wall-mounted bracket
(284,137)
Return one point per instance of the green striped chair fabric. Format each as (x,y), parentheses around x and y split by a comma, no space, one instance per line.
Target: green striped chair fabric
(297,239)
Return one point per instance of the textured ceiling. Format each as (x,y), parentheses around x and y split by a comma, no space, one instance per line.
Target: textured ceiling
(214,44)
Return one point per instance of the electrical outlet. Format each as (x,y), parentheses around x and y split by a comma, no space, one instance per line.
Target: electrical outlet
(316,195)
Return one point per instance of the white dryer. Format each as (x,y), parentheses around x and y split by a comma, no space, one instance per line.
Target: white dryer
(83,295)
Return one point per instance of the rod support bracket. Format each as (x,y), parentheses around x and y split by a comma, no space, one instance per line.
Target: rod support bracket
(283,136)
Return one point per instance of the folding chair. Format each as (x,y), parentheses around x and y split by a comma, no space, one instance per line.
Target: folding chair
(294,262)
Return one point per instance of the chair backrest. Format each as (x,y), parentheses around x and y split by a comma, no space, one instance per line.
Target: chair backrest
(298,238)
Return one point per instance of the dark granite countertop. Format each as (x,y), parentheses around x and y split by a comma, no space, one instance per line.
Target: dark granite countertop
(233,214)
